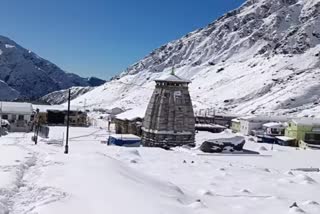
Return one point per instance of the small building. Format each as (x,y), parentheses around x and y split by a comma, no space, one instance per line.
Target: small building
(129,122)
(274,128)
(18,114)
(254,124)
(305,131)
(127,140)
(235,125)
(169,120)
(57,115)
(213,128)
(285,141)
(219,119)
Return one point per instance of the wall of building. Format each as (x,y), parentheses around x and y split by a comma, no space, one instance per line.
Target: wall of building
(246,127)
(75,118)
(16,125)
(128,126)
(298,132)
(15,117)
(235,126)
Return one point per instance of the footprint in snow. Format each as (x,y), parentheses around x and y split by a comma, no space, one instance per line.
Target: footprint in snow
(134,161)
(245,191)
(204,192)
(289,173)
(134,152)
(285,181)
(314,203)
(296,210)
(304,179)
(262,148)
(266,170)
(198,204)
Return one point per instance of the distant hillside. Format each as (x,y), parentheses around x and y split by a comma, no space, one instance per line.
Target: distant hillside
(25,75)
(59,97)
(263,57)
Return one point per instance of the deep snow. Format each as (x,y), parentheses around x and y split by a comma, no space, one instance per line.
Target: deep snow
(96,178)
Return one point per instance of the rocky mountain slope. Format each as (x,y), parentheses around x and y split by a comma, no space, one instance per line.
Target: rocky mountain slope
(59,97)
(27,75)
(263,57)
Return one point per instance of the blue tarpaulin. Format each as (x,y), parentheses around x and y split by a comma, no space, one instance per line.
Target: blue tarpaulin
(127,140)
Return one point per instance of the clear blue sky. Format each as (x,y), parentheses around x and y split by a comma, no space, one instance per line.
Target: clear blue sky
(103,37)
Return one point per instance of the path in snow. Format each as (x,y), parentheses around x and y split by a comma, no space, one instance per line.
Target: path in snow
(26,195)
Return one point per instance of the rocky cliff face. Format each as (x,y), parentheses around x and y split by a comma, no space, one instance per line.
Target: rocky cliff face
(30,75)
(262,57)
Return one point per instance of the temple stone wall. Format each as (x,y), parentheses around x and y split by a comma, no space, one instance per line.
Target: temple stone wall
(169,119)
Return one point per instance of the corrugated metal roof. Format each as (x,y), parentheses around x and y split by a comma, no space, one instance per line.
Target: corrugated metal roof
(15,108)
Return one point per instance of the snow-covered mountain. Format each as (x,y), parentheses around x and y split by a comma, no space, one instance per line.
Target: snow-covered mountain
(59,97)
(262,57)
(23,74)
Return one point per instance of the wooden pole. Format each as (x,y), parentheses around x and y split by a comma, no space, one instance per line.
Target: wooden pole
(66,151)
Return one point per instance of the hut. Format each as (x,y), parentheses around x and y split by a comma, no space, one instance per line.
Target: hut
(19,115)
(169,120)
(57,115)
(129,122)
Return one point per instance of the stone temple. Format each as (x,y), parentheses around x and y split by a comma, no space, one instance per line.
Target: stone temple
(169,120)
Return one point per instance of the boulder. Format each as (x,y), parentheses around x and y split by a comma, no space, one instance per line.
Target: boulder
(223,144)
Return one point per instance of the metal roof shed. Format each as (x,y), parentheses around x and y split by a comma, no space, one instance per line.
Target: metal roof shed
(127,140)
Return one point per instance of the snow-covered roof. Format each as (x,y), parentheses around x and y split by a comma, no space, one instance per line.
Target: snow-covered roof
(284,138)
(125,136)
(235,140)
(307,121)
(15,108)
(266,118)
(173,78)
(235,120)
(273,125)
(131,114)
(45,108)
(210,126)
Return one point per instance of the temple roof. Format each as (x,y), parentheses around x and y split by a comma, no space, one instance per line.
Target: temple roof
(173,78)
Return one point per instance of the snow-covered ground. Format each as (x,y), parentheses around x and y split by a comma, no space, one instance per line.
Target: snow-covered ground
(96,178)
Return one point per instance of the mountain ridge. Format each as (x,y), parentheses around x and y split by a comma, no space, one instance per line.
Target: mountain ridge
(262,57)
(32,76)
